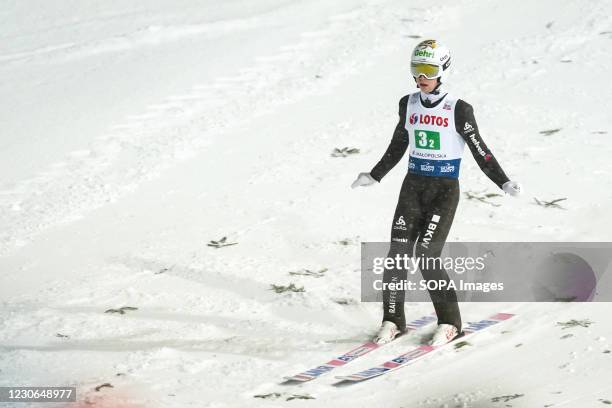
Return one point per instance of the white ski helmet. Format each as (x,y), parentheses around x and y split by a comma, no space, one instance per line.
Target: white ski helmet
(430,59)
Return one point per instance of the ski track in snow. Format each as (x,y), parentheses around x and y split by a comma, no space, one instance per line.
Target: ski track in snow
(208,330)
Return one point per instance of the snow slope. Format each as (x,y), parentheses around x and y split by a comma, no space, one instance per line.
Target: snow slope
(135,133)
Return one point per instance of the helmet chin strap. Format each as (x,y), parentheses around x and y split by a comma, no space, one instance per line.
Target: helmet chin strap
(437,89)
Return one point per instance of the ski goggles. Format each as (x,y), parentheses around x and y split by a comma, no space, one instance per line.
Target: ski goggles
(427,70)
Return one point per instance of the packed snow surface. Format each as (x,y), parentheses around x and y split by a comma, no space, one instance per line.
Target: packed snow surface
(135,133)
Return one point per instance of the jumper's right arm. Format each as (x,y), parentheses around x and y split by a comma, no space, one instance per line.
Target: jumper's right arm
(397,147)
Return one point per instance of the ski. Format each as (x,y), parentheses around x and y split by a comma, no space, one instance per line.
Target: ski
(421,351)
(355,353)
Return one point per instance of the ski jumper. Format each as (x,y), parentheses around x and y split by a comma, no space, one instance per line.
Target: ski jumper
(436,133)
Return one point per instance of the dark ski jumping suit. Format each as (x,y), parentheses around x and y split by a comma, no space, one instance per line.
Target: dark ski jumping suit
(436,133)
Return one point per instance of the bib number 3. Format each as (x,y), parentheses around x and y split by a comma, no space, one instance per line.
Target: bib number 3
(427,139)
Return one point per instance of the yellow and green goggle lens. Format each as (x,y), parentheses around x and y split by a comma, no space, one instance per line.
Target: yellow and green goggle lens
(427,70)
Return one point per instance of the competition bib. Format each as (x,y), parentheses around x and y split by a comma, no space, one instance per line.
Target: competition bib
(435,146)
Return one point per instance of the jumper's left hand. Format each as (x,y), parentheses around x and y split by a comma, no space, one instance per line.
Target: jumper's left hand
(512,187)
